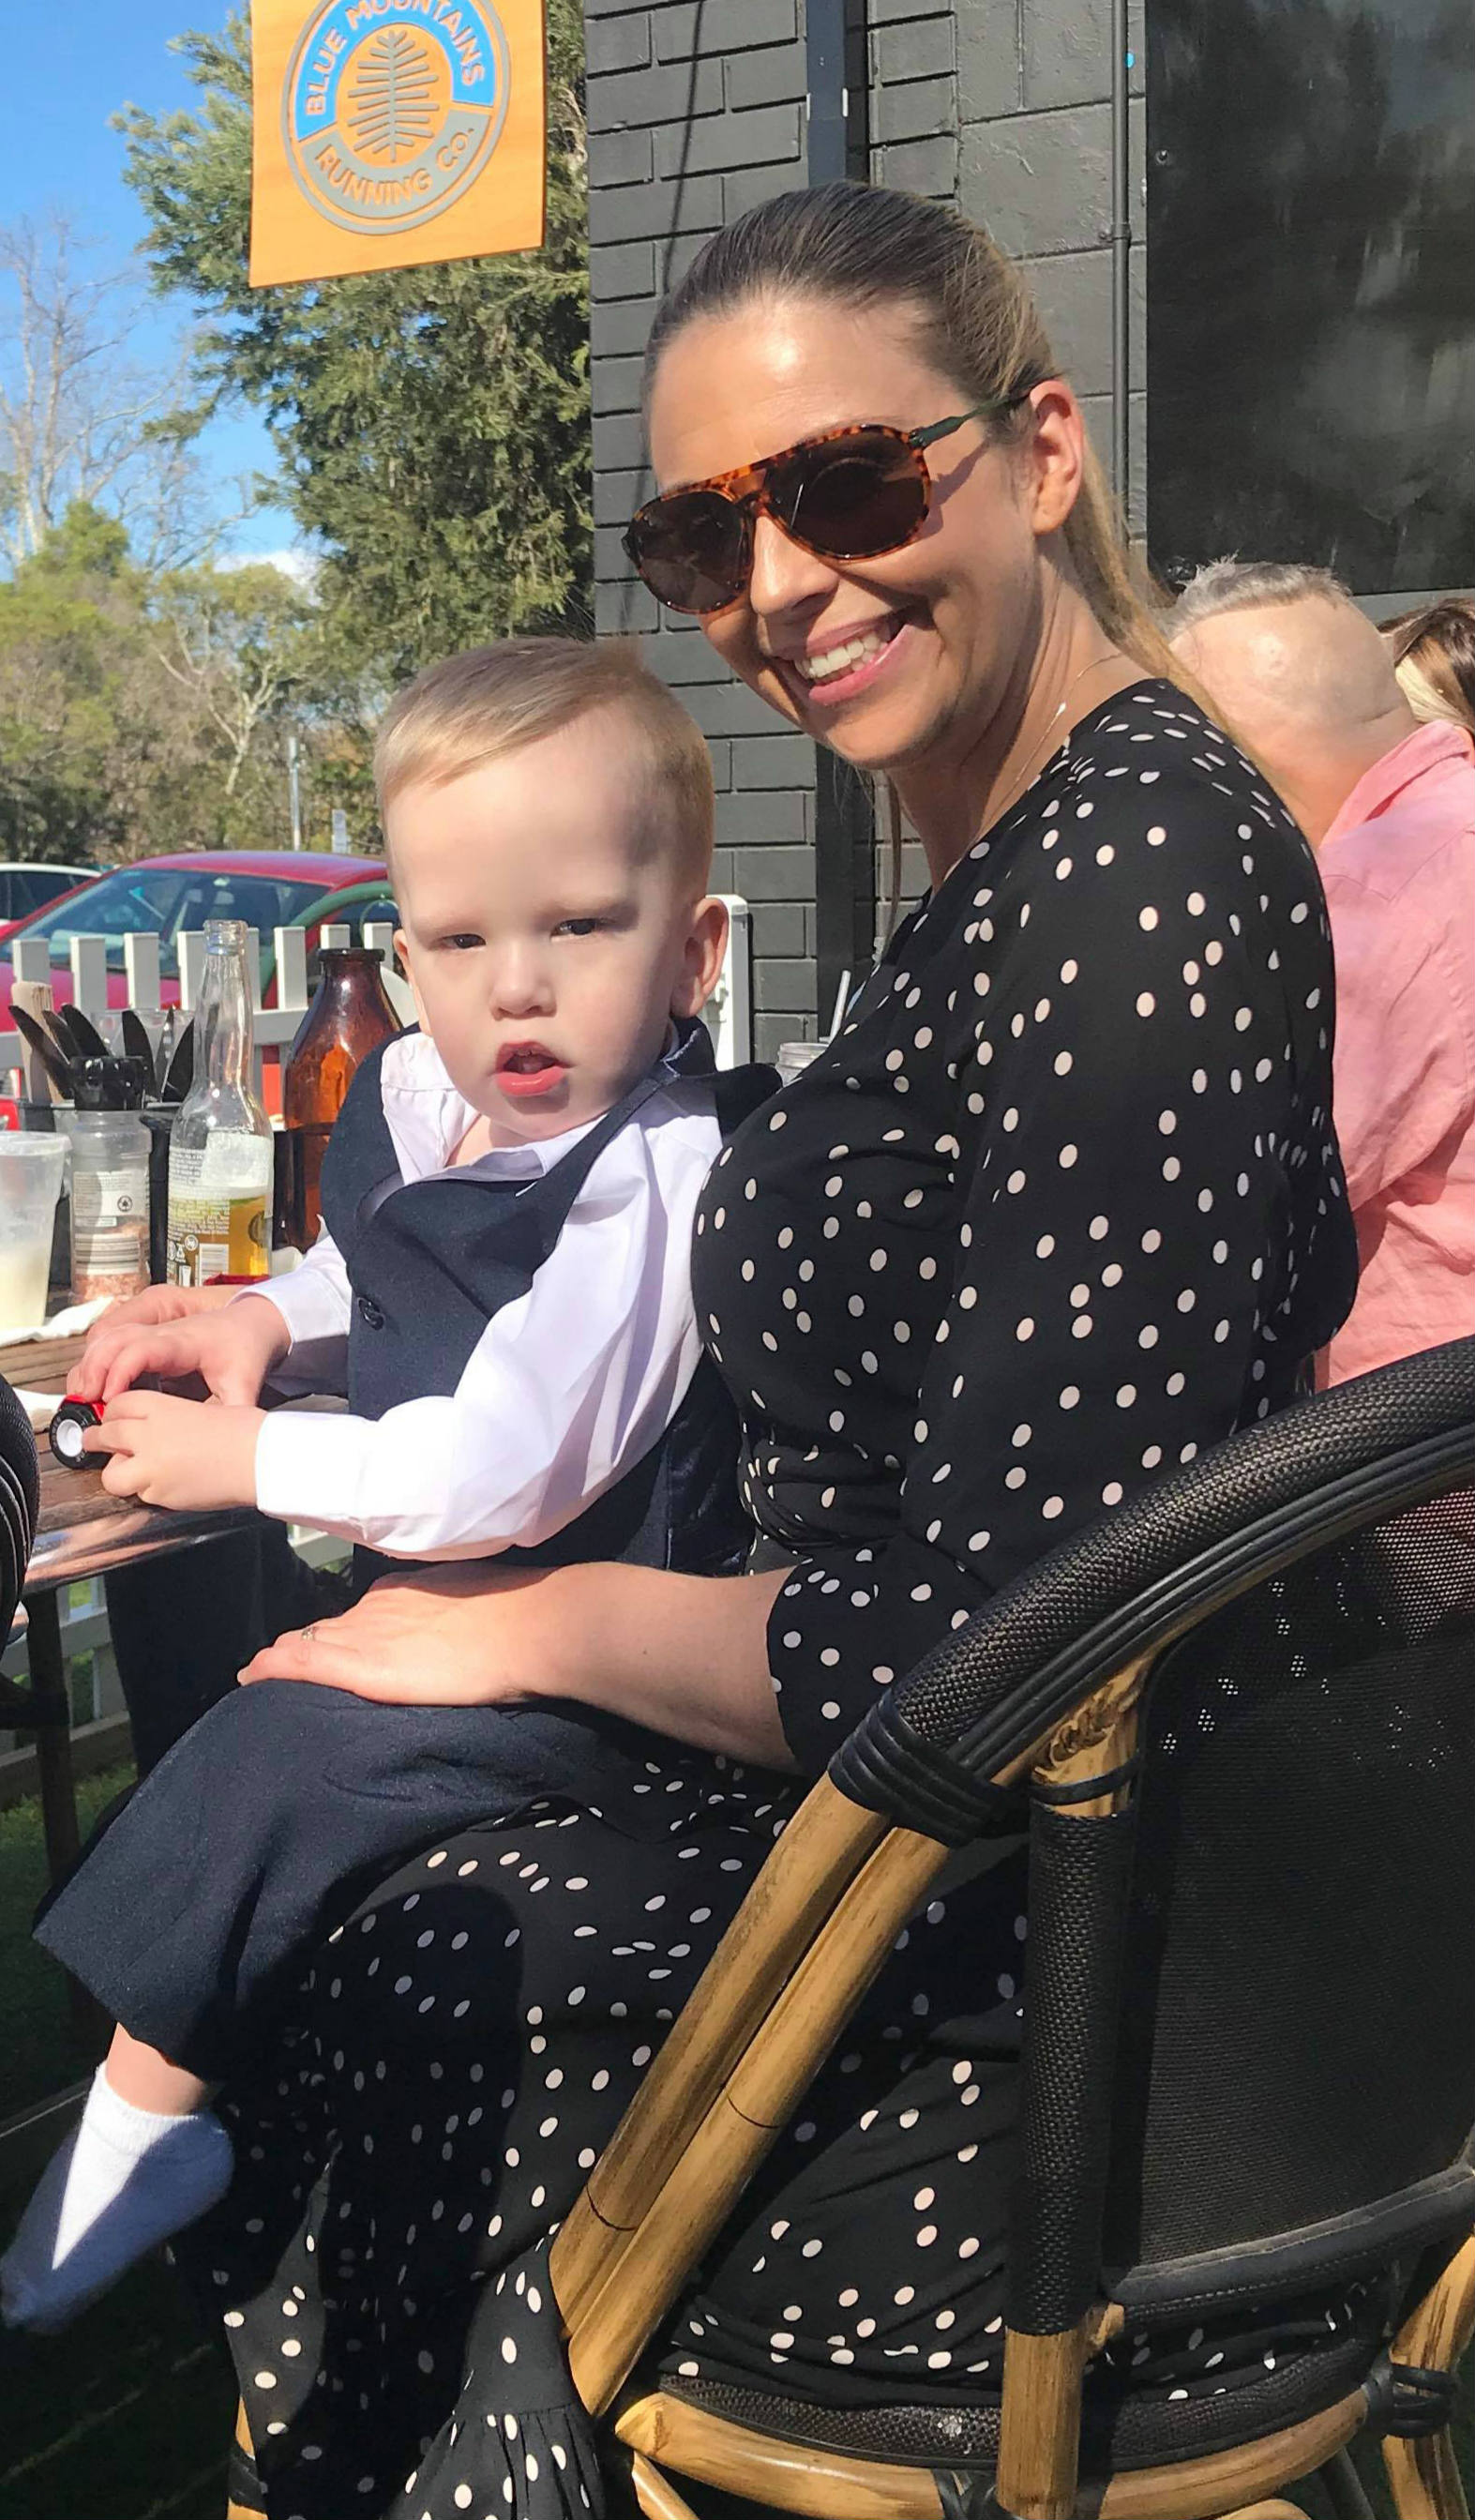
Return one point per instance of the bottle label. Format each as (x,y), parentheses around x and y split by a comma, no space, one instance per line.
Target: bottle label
(218,1197)
(109,1232)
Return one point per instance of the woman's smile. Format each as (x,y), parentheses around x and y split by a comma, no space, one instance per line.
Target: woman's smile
(837,665)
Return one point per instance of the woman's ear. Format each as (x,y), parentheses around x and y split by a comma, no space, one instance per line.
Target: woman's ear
(701,958)
(1053,450)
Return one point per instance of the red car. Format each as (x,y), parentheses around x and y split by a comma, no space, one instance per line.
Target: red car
(166,897)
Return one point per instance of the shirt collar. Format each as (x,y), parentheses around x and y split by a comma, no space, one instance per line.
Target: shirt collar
(426,1119)
(1429,748)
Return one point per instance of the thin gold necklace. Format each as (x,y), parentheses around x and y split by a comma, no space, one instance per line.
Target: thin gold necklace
(1030,758)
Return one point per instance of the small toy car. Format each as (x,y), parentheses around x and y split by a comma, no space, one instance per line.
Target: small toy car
(68,1431)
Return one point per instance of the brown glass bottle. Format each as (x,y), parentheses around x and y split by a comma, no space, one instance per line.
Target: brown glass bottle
(350,1014)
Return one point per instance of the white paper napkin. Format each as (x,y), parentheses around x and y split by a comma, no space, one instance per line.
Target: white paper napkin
(69,1324)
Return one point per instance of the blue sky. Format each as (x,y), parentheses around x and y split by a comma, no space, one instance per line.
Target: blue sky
(68,69)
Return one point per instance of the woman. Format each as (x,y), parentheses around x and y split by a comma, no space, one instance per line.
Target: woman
(1060,1206)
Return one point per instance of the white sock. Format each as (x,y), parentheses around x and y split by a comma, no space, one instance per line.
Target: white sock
(122,2182)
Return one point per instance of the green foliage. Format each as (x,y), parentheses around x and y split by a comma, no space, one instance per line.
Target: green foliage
(433,423)
(140,712)
(72,732)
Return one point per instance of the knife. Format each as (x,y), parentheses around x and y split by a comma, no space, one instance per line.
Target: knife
(136,1042)
(85,1039)
(179,1076)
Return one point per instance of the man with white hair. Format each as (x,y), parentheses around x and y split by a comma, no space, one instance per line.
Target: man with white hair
(1304,681)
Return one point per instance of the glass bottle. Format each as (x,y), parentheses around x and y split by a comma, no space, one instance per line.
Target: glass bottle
(350,1014)
(220,1151)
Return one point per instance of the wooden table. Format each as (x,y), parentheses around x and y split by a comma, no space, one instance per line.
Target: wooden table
(80,1532)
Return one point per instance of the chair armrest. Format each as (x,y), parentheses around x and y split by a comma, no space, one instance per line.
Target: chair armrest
(1146,1572)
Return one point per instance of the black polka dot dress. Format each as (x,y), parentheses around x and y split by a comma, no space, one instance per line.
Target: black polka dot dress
(1060,1206)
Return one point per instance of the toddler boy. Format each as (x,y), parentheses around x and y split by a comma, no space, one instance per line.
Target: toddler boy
(507,1199)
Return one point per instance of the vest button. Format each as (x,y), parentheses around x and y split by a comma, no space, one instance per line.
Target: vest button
(369,1314)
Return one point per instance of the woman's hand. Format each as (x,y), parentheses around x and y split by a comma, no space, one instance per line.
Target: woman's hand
(686,1655)
(445,1635)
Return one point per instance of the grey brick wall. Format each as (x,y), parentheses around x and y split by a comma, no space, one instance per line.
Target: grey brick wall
(1034,83)
(696,110)
(1005,107)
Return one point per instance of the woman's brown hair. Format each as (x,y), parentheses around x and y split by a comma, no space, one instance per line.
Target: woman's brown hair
(860,245)
(1434,658)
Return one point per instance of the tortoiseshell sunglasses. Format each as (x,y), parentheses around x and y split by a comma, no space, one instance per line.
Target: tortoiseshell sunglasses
(847,494)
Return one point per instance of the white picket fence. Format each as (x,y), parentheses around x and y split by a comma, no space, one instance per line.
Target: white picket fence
(275,1026)
(730,1012)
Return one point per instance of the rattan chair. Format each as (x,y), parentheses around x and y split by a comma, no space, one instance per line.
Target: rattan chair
(1238,1718)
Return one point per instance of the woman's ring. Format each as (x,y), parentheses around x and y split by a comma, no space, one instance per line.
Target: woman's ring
(309,1631)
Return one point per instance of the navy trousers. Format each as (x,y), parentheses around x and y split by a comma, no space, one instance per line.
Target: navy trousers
(194,1906)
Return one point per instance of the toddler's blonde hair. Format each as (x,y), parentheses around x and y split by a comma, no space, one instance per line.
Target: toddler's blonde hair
(473,708)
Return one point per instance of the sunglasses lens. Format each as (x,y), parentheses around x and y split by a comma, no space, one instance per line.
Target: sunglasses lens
(854,497)
(859,493)
(692,550)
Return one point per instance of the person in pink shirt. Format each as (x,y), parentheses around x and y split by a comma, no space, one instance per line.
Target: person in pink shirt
(1306,683)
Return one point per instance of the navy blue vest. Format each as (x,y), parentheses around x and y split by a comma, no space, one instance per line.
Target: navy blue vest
(430,1262)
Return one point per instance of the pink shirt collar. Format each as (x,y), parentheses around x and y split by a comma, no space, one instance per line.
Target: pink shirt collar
(1432,753)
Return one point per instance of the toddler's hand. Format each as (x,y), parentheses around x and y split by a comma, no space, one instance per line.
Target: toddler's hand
(191,1455)
(232,1348)
(137,1312)
(163,1304)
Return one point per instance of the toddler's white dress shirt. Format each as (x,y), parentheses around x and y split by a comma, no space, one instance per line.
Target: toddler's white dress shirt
(568,1387)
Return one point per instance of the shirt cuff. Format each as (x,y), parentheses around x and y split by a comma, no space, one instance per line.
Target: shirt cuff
(308,1467)
(310,1305)
(849,1622)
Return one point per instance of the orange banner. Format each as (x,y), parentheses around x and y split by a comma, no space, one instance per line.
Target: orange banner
(388,132)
